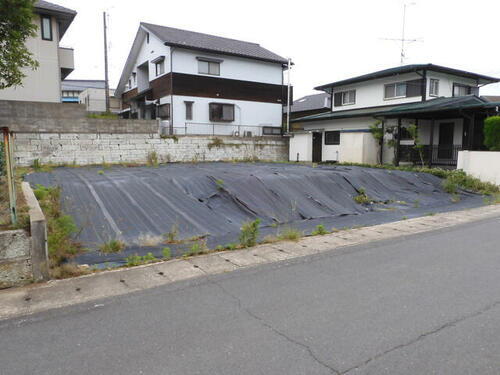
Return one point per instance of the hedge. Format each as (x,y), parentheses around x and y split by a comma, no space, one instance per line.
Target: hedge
(492,133)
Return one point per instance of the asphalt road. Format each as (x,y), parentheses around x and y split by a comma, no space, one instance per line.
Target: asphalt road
(425,304)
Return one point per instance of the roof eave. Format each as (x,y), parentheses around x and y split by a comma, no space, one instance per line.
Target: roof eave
(207,50)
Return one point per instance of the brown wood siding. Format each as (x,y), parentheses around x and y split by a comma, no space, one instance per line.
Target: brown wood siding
(223,88)
(129,94)
(160,86)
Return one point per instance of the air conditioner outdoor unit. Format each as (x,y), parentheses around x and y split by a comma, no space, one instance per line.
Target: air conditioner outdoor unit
(247,134)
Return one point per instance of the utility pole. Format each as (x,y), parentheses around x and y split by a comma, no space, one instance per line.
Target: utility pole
(288,97)
(106,79)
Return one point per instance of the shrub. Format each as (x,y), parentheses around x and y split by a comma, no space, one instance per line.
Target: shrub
(449,186)
(491,132)
(320,230)
(112,246)
(249,233)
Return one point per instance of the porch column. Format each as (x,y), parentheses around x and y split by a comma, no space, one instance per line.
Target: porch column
(471,132)
(431,143)
(398,144)
(382,143)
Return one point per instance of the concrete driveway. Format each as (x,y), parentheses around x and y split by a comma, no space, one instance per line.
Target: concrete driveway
(423,304)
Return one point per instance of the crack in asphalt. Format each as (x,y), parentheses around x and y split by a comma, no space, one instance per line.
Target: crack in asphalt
(423,336)
(276,331)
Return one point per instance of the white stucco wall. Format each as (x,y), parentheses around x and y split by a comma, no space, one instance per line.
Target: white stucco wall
(484,165)
(44,83)
(184,61)
(300,147)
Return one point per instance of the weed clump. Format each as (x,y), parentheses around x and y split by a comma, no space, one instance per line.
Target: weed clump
(320,230)
(152,159)
(290,234)
(249,233)
(362,197)
(137,260)
(112,246)
(167,254)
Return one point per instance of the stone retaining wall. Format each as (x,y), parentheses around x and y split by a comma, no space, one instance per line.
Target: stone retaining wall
(96,148)
(15,258)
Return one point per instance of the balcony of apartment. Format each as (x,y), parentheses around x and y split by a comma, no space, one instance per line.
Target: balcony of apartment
(66,61)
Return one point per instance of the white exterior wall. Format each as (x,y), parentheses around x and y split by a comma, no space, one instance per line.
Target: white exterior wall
(184,61)
(44,83)
(300,147)
(371,93)
(484,165)
(245,112)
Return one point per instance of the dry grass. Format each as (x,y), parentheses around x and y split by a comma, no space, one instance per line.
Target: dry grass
(67,270)
(148,239)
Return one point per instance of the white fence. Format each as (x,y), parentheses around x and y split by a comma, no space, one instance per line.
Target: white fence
(194,128)
(484,165)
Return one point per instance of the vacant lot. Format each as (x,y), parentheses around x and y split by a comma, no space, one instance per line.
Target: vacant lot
(149,207)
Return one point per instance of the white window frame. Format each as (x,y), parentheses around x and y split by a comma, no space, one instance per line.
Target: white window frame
(210,67)
(349,97)
(159,68)
(395,84)
(434,87)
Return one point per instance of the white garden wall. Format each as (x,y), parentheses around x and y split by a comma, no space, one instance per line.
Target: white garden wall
(484,165)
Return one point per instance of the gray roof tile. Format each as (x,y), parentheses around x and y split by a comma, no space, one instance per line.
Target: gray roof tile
(212,43)
(45,5)
(311,102)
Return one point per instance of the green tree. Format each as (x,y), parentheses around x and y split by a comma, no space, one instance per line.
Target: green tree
(491,132)
(16,25)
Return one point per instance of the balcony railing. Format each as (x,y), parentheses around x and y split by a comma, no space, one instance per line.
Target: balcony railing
(441,154)
(194,128)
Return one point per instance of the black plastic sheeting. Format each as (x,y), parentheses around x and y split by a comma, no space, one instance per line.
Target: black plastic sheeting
(139,205)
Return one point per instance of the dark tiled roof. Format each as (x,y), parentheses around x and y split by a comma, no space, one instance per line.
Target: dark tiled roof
(45,5)
(360,112)
(489,98)
(311,102)
(437,105)
(81,84)
(408,69)
(212,43)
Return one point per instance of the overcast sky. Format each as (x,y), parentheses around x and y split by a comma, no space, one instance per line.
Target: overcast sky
(327,40)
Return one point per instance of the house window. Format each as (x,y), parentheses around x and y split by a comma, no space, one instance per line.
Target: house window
(271,130)
(332,138)
(395,90)
(434,87)
(134,78)
(209,67)
(221,112)
(147,38)
(164,111)
(345,98)
(160,67)
(130,83)
(405,134)
(189,110)
(46,28)
(462,90)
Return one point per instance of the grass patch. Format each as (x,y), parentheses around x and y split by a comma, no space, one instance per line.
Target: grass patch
(290,234)
(137,260)
(167,254)
(104,115)
(112,247)
(152,159)
(61,231)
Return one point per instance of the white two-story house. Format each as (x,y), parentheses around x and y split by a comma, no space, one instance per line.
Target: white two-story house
(203,84)
(443,103)
(55,62)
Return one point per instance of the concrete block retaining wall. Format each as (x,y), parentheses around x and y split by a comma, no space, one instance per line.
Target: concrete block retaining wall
(15,258)
(484,165)
(95,148)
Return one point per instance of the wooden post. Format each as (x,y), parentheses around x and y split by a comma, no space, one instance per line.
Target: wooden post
(398,144)
(9,169)
(431,143)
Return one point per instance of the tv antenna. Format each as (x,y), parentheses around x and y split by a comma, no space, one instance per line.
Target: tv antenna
(403,39)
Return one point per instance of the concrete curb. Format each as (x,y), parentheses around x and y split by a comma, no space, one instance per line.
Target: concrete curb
(59,293)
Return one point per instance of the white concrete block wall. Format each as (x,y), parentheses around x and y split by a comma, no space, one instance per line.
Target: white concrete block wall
(84,149)
(484,165)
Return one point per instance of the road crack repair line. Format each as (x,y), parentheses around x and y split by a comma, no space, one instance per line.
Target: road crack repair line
(283,335)
(424,335)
